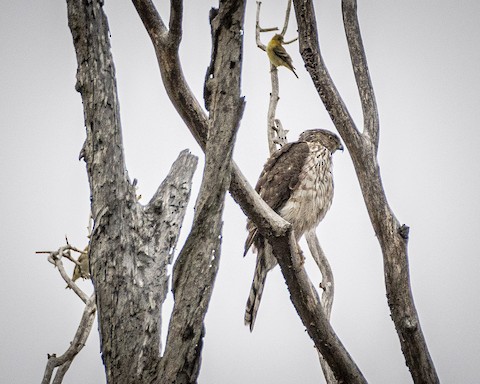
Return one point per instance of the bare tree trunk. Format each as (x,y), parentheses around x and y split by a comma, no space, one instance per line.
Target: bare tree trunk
(196,268)
(130,244)
(392,236)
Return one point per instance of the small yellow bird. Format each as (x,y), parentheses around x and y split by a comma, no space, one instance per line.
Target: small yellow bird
(82,270)
(278,55)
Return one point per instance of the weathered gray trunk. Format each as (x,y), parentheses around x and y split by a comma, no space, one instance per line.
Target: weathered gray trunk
(131,245)
(196,267)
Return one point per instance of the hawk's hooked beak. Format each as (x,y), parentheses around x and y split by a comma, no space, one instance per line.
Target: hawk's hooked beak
(340,147)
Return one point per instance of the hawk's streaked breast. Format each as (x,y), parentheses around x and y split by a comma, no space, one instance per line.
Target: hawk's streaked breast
(312,197)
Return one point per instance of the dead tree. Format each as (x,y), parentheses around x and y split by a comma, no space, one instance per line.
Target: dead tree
(132,244)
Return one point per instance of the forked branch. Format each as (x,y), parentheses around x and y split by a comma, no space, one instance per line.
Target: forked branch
(63,362)
(55,258)
(259,29)
(363,149)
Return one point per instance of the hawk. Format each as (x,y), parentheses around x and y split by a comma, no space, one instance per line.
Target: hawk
(297,183)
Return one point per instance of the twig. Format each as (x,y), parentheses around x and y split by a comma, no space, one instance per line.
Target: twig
(78,342)
(55,257)
(290,41)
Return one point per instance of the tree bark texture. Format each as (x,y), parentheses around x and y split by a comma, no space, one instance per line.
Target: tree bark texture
(131,245)
(196,267)
(392,236)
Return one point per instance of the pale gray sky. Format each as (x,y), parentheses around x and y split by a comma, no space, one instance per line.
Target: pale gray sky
(423,57)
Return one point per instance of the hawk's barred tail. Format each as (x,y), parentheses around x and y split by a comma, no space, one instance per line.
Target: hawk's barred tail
(256,290)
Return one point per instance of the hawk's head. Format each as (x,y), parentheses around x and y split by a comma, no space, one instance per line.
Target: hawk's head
(328,139)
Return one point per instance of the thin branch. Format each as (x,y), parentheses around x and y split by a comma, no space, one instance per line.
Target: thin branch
(173,79)
(76,345)
(287,18)
(321,260)
(61,371)
(272,130)
(328,288)
(175,24)
(360,69)
(272,110)
(68,256)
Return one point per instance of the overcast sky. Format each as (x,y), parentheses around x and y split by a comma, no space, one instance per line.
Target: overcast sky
(424,60)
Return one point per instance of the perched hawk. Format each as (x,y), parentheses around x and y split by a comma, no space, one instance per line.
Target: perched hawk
(297,183)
